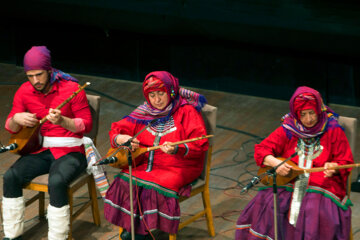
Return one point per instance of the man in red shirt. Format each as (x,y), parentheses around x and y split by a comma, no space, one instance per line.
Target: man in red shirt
(62,152)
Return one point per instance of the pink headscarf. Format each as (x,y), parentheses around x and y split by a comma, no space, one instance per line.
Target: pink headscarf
(37,58)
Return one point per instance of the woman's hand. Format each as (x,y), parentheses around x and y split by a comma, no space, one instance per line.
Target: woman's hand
(123,138)
(328,172)
(284,170)
(167,148)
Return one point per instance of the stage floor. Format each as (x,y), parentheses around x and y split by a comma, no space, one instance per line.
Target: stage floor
(242,121)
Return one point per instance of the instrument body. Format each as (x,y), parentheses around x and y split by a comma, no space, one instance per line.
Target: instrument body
(122,153)
(295,171)
(29,139)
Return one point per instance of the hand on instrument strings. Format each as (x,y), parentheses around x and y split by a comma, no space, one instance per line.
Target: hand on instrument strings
(123,138)
(25,119)
(54,116)
(328,172)
(283,170)
(167,148)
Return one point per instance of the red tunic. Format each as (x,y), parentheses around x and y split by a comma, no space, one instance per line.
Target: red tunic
(335,149)
(27,99)
(169,171)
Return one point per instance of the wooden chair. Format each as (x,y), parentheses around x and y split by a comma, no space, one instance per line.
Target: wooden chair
(40,184)
(202,186)
(350,126)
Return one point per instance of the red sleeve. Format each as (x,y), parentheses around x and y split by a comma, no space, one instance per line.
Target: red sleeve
(81,110)
(121,127)
(341,151)
(18,106)
(272,145)
(194,126)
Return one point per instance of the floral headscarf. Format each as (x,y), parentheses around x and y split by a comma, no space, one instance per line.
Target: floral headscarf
(162,80)
(307,98)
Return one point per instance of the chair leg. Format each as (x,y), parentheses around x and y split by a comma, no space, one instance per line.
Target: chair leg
(172,236)
(120,231)
(208,212)
(41,205)
(94,203)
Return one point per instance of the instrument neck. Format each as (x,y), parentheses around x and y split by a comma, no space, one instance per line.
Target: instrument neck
(320,169)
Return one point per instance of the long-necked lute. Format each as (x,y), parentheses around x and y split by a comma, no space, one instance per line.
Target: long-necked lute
(296,171)
(28,138)
(121,154)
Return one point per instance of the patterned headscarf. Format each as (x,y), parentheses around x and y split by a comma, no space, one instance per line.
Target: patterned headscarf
(307,98)
(38,58)
(162,80)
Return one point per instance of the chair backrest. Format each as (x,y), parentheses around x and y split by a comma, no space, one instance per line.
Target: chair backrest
(209,116)
(350,125)
(94,104)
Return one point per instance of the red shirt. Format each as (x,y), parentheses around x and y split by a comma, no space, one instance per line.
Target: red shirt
(27,99)
(169,171)
(336,149)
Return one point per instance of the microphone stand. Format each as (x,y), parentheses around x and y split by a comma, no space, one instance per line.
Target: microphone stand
(131,194)
(271,172)
(127,144)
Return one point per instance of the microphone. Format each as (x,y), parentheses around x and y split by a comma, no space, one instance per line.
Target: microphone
(8,148)
(106,161)
(255,180)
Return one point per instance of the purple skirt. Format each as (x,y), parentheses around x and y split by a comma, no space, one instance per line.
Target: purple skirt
(152,210)
(319,218)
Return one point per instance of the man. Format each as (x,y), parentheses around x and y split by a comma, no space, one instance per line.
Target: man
(62,152)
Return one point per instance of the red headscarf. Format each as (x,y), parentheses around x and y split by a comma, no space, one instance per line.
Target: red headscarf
(305,101)
(153,84)
(306,98)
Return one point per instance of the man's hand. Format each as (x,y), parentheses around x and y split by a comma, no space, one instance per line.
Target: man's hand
(25,119)
(54,116)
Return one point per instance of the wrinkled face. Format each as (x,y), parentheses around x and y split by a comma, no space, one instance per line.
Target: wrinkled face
(39,79)
(158,99)
(308,118)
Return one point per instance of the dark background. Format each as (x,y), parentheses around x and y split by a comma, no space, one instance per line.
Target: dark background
(257,47)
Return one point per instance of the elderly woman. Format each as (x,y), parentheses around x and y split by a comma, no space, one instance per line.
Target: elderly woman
(315,205)
(160,175)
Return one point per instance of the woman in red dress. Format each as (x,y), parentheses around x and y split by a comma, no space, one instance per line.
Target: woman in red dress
(315,205)
(160,175)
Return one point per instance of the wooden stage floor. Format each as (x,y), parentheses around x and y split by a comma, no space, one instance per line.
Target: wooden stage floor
(241,122)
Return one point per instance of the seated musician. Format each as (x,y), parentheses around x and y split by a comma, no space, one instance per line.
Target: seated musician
(62,152)
(314,206)
(159,174)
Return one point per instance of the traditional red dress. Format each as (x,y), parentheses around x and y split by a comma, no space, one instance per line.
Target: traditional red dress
(324,211)
(159,176)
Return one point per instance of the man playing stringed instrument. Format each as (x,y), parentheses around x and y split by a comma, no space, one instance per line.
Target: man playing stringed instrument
(159,175)
(62,151)
(313,206)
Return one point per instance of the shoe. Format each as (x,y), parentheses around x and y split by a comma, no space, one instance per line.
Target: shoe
(355,186)
(17,238)
(125,235)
